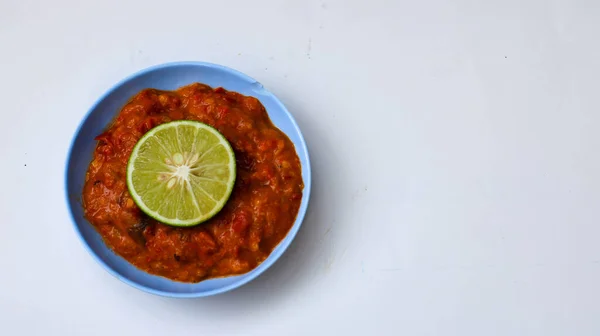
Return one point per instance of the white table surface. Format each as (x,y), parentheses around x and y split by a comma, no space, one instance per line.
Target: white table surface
(455,149)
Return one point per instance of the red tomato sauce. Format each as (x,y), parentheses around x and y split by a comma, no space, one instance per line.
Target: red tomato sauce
(260,212)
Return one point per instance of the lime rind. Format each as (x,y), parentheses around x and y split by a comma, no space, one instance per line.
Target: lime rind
(206,187)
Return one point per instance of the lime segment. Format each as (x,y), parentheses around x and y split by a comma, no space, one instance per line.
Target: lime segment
(181,173)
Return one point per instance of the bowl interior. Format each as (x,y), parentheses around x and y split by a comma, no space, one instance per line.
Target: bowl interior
(169,77)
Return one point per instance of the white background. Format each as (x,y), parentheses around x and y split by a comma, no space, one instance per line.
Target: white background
(455,150)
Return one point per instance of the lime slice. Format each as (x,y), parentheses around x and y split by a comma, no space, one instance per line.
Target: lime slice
(181,173)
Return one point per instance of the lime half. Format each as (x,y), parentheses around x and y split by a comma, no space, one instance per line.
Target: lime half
(181,173)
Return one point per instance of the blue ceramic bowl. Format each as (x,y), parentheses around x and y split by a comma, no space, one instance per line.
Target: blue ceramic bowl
(171,76)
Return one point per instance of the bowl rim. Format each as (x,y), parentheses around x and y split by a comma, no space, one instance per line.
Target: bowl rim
(248,276)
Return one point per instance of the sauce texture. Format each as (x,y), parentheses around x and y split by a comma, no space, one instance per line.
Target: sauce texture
(262,208)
